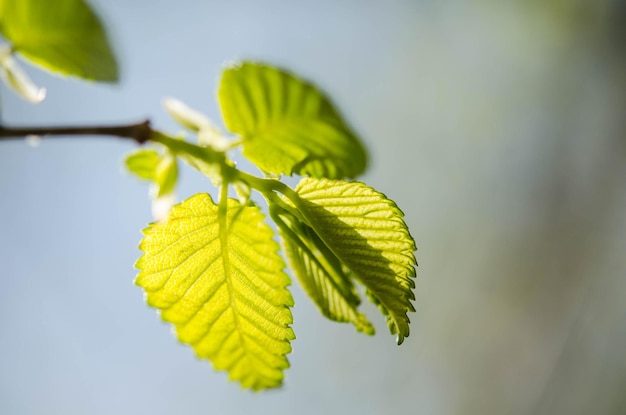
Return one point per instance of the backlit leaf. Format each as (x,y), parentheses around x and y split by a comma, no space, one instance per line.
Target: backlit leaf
(143,163)
(287,125)
(216,276)
(63,36)
(367,233)
(166,174)
(321,274)
(162,169)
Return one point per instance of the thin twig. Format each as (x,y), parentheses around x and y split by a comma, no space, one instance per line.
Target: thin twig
(139,132)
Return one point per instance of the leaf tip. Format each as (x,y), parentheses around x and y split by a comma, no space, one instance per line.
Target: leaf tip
(400,339)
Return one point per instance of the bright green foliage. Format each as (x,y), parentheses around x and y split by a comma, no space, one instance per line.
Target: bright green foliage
(63,36)
(287,125)
(322,274)
(162,170)
(143,163)
(213,270)
(214,273)
(166,174)
(367,233)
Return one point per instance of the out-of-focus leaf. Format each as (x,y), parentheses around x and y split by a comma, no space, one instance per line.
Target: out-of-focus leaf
(208,134)
(166,174)
(15,78)
(63,36)
(186,116)
(143,163)
(162,169)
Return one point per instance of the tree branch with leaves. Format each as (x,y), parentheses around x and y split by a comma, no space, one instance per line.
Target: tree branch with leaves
(212,267)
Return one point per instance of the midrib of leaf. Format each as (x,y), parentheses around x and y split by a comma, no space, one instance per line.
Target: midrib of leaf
(297,150)
(224,235)
(223,232)
(273,125)
(217,277)
(268,131)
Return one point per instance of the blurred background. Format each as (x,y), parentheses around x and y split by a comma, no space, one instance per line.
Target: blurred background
(499,127)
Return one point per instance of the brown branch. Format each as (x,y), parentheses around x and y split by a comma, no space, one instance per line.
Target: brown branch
(139,132)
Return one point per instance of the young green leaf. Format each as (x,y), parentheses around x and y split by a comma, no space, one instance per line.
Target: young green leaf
(166,174)
(148,164)
(365,230)
(63,36)
(287,125)
(214,273)
(143,163)
(321,273)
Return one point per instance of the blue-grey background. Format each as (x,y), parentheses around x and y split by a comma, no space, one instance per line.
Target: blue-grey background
(497,126)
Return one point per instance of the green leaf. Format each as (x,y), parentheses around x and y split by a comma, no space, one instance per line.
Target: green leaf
(214,273)
(63,36)
(321,274)
(366,232)
(287,125)
(143,163)
(148,164)
(166,174)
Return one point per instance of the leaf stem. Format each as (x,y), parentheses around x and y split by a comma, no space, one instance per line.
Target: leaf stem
(265,186)
(140,132)
(184,148)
